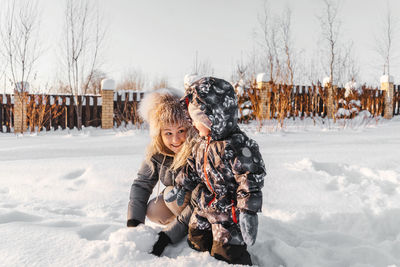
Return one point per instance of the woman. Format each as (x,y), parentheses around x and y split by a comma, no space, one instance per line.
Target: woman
(171,141)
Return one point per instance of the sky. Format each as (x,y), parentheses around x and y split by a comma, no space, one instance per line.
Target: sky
(162,38)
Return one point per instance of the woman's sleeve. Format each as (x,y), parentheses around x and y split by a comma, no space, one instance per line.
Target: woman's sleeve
(178,228)
(141,189)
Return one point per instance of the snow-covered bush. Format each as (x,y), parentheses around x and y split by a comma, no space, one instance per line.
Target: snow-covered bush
(244,91)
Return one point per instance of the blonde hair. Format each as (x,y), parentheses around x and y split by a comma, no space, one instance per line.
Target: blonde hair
(159,109)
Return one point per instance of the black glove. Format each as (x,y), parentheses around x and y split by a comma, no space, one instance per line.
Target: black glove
(133,223)
(248,222)
(162,242)
(178,194)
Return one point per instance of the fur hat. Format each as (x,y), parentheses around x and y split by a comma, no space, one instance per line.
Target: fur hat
(162,107)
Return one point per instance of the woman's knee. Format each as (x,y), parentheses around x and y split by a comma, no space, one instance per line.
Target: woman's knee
(158,212)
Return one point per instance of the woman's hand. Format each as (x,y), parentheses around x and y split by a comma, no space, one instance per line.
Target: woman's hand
(161,244)
(133,223)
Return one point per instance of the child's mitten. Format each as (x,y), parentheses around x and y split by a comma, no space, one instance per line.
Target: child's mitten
(178,194)
(248,222)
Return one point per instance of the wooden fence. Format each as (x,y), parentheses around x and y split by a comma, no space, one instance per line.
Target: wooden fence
(58,112)
(396,100)
(6,112)
(311,101)
(126,107)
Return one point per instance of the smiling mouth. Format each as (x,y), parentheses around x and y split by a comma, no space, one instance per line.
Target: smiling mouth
(176,146)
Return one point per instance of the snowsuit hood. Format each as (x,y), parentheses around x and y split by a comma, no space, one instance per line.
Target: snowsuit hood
(217,99)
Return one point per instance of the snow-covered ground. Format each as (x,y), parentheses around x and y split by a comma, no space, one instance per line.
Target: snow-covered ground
(331,198)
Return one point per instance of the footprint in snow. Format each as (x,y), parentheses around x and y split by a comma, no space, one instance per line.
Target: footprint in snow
(16,216)
(4,190)
(63,224)
(93,232)
(8,205)
(74,211)
(74,174)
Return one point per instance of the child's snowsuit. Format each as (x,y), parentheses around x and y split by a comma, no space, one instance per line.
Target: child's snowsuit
(231,170)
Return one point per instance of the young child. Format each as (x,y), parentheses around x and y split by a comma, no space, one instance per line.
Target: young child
(231,171)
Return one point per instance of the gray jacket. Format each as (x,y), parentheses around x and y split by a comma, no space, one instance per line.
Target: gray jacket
(142,187)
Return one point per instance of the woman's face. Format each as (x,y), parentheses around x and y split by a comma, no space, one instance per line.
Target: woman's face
(173,136)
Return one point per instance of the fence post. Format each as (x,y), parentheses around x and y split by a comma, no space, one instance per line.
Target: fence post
(388,88)
(20,103)
(330,109)
(107,106)
(263,86)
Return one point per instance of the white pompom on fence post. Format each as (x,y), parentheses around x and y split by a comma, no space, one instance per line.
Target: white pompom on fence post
(107,106)
(20,106)
(388,87)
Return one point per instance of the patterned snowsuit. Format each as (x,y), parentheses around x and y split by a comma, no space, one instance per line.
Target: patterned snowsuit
(231,170)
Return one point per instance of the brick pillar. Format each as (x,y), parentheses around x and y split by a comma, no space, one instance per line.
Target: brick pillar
(388,87)
(20,104)
(264,89)
(107,106)
(330,109)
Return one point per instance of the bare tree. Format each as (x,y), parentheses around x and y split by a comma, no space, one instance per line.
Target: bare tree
(285,26)
(133,79)
(160,83)
(339,61)
(330,26)
(83,37)
(350,67)
(240,71)
(278,46)
(202,67)
(94,85)
(20,44)
(270,40)
(386,38)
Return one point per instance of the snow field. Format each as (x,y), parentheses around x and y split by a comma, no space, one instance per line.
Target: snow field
(331,198)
